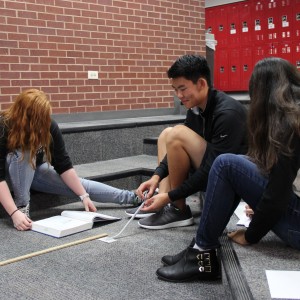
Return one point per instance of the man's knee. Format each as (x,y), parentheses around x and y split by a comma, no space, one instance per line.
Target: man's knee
(177,132)
(163,135)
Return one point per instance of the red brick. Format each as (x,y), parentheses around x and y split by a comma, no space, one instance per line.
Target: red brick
(14,5)
(131,43)
(108,107)
(60,110)
(35,7)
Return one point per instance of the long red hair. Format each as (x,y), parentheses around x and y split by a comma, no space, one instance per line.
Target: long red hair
(28,121)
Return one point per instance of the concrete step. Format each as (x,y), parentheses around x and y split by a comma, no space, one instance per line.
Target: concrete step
(123,166)
(150,145)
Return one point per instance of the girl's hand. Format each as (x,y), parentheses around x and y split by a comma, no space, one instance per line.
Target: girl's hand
(21,221)
(249,211)
(89,205)
(238,237)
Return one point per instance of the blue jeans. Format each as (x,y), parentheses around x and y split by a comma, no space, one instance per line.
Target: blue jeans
(231,178)
(21,177)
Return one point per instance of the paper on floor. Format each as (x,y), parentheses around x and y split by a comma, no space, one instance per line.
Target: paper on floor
(284,284)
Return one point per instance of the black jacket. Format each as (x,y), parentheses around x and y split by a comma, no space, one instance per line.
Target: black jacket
(276,197)
(223,125)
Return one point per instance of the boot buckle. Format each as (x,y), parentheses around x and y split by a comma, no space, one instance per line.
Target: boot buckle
(204,262)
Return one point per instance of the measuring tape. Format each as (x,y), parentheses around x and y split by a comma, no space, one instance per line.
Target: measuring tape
(13,260)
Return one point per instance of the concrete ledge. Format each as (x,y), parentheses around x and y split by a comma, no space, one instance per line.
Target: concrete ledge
(82,126)
(102,140)
(112,115)
(114,168)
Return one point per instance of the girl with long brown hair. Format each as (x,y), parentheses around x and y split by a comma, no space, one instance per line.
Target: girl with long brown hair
(33,156)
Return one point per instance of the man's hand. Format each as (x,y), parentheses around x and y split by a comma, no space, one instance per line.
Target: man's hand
(157,202)
(238,237)
(89,205)
(148,186)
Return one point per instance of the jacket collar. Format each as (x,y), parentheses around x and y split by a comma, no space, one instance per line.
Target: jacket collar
(210,105)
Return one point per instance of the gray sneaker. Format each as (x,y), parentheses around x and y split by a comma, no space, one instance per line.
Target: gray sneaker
(140,215)
(137,201)
(24,210)
(168,217)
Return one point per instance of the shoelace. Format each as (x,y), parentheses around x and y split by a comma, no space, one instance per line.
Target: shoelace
(141,206)
(166,209)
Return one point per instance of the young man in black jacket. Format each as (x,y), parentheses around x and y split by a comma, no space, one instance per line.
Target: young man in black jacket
(215,124)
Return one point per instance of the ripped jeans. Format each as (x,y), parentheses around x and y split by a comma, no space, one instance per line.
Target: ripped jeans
(21,177)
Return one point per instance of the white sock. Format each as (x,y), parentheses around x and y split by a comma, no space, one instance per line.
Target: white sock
(199,248)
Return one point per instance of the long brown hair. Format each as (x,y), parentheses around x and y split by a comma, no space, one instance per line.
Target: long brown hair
(274,114)
(28,121)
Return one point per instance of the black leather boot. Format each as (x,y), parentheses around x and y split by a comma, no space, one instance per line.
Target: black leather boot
(194,265)
(170,260)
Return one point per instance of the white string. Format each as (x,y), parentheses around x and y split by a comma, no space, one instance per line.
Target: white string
(141,206)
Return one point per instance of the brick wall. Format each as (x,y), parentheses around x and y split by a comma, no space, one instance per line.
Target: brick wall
(52,44)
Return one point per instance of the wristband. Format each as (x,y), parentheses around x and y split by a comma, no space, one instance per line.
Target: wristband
(13,212)
(82,197)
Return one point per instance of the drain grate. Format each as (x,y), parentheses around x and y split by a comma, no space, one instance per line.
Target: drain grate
(240,289)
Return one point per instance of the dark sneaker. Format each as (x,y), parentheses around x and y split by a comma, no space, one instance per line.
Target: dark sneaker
(194,265)
(141,214)
(168,217)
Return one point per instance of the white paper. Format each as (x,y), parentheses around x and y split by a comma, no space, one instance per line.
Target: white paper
(240,213)
(284,284)
(244,221)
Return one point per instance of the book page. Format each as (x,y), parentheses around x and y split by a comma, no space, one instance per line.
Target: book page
(88,216)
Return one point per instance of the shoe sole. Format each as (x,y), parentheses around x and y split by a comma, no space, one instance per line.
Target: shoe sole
(139,216)
(193,278)
(184,223)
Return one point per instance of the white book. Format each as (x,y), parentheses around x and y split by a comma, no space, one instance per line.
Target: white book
(70,222)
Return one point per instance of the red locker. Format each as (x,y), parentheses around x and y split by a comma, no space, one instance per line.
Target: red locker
(221,31)
(234,24)
(285,50)
(249,31)
(259,52)
(246,23)
(221,69)
(259,21)
(296,54)
(272,16)
(286,19)
(234,73)
(210,20)
(296,20)
(272,49)
(246,67)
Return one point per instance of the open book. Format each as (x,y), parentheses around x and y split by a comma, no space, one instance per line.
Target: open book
(70,222)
